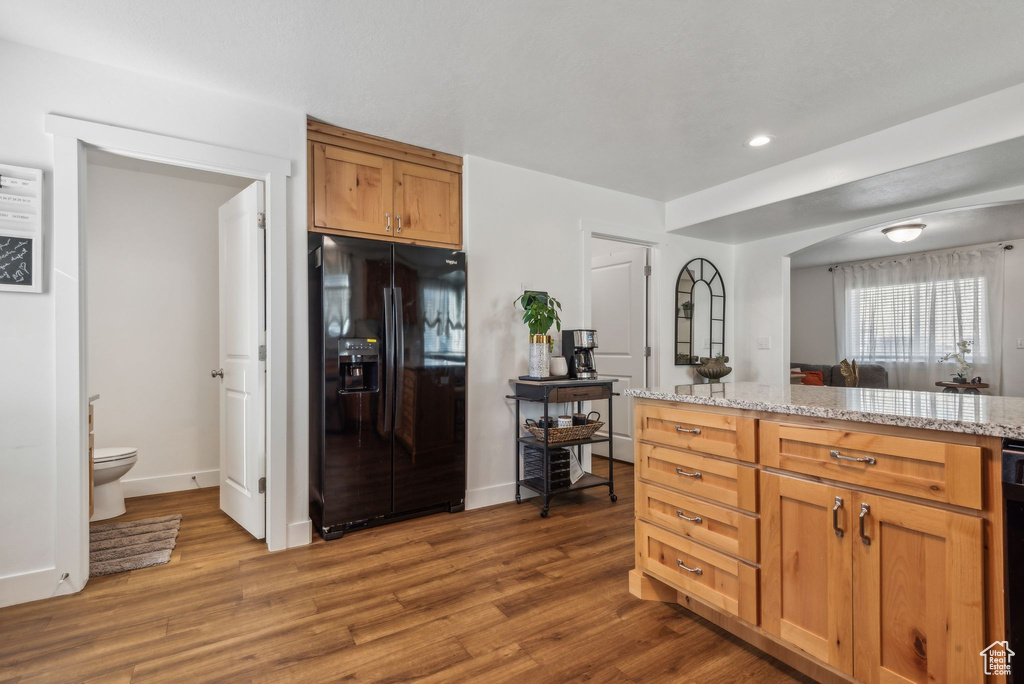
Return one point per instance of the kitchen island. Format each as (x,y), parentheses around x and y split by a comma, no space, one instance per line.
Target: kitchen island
(855,534)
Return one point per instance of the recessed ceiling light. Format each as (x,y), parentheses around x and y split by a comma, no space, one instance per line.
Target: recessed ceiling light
(904,233)
(760,140)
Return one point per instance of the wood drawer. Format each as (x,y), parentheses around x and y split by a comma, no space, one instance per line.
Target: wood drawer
(588,393)
(709,433)
(936,471)
(690,473)
(720,580)
(723,528)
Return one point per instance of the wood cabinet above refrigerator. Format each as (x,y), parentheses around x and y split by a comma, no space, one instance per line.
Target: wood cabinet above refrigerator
(364,186)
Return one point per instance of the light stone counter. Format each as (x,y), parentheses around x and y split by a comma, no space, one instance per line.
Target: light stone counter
(971,414)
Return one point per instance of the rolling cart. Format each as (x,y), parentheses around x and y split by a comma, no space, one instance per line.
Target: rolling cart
(549,392)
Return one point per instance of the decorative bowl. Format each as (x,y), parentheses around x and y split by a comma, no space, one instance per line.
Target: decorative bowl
(713,369)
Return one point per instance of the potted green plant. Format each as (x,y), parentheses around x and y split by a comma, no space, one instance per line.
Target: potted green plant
(540,312)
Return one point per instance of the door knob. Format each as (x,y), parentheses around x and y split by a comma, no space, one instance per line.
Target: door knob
(217,373)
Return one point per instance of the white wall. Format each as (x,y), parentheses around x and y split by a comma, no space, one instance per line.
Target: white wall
(812,316)
(525,229)
(813,304)
(49,83)
(152,297)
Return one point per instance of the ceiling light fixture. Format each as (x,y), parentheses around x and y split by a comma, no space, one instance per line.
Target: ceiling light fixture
(904,233)
(760,140)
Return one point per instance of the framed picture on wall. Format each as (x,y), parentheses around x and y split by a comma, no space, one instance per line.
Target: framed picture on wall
(21,229)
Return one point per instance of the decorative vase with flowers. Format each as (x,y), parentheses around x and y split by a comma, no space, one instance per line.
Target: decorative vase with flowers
(963,368)
(540,312)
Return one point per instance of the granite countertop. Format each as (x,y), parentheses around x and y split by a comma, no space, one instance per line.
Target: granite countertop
(971,414)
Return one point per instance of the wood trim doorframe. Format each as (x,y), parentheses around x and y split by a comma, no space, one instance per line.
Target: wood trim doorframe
(71,138)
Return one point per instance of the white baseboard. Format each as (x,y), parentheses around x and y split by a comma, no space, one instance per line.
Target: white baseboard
(170,483)
(300,533)
(496,494)
(32,586)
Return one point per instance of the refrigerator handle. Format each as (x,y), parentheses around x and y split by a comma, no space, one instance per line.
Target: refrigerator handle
(389,361)
(399,354)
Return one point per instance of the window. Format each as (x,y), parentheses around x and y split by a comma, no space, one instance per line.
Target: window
(917,322)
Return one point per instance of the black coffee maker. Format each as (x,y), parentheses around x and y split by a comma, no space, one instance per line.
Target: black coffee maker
(578,349)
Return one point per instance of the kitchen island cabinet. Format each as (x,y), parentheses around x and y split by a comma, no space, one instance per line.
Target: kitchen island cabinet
(856,534)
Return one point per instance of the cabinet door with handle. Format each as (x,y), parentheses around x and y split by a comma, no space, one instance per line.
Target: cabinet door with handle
(427,204)
(352,191)
(917,583)
(806,567)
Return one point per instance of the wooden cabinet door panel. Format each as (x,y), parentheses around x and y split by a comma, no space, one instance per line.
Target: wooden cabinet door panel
(729,483)
(709,433)
(427,204)
(918,593)
(926,469)
(352,191)
(806,568)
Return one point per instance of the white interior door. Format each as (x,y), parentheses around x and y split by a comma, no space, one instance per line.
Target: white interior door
(618,289)
(241,372)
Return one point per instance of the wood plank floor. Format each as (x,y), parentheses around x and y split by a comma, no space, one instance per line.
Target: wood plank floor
(491,595)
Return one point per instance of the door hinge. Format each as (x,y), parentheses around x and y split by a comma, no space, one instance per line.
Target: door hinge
(647,270)
(647,352)
(263,485)
(261,220)
(263,352)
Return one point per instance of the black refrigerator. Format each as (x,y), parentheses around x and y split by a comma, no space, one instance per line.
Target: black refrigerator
(387,382)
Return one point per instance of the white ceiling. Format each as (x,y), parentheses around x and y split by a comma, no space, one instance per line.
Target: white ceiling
(945,229)
(652,98)
(993,167)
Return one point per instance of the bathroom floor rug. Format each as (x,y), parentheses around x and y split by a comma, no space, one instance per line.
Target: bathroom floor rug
(130,545)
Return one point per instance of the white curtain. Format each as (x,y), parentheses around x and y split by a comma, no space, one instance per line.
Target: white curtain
(905,313)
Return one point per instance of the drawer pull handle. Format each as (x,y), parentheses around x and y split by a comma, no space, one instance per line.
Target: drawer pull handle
(697,519)
(682,472)
(864,510)
(689,431)
(870,460)
(835,517)
(698,571)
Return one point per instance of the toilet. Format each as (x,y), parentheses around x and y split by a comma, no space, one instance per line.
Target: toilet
(110,464)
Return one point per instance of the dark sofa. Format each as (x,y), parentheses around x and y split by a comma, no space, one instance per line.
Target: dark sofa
(871,375)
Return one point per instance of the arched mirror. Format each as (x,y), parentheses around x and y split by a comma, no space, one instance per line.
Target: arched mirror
(700,313)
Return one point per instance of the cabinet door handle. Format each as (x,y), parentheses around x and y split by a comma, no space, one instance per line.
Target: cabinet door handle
(387,215)
(682,472)
(835,517)
(697,519)
(864,510)
(697,571)
(399,223)
(689,431)
(870,460)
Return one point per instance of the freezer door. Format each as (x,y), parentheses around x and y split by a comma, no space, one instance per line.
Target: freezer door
(430,375)
(357,470)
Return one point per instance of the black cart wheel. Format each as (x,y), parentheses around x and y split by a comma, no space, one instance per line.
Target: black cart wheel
(543,512)
(519,499)
(614,498)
